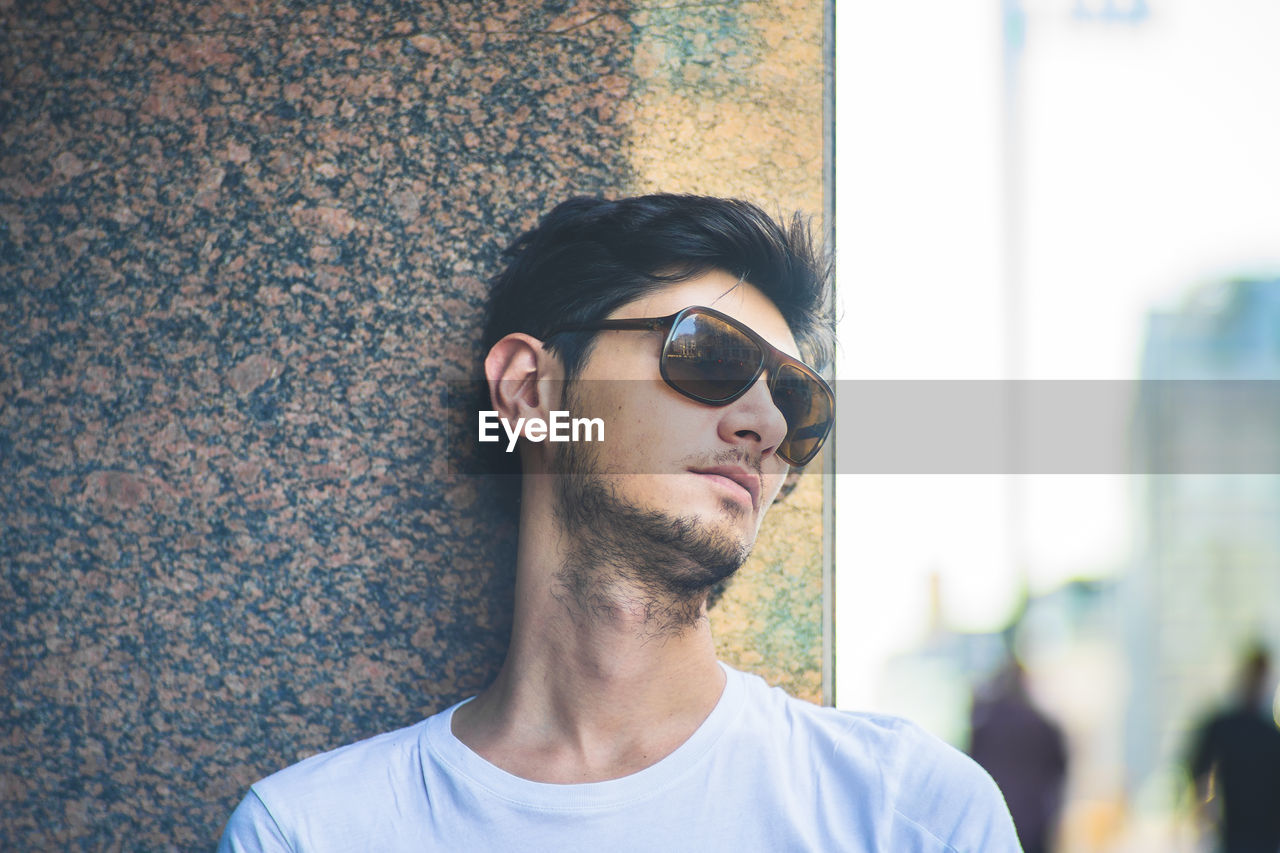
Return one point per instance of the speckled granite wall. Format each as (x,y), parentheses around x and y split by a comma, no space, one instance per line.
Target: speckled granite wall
(241,247)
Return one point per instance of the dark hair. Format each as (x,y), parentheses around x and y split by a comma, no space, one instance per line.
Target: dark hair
(589,256)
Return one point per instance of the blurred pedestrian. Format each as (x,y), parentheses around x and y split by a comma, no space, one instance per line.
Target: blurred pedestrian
(1235,763)
(1024,751)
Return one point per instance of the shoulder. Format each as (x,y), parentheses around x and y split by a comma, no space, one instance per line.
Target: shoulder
(335,773)
(325,796)
(926,793)
(882,740)
(943,793)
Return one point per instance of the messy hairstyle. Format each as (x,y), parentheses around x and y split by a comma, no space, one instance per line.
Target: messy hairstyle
(589,256)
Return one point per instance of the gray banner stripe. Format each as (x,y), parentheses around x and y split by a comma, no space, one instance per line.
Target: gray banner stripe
(1023,427)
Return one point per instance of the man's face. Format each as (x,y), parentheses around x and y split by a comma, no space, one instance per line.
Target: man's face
(713,470)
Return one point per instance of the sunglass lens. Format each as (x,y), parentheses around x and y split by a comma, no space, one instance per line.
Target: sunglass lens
(807,407)
(709,359)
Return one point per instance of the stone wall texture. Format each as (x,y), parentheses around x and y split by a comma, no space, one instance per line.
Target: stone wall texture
(243,248)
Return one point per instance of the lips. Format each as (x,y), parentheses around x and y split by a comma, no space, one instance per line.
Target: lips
(743,477)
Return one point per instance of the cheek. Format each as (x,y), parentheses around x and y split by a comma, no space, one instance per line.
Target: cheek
(773,484)
(643,407)
(635,424)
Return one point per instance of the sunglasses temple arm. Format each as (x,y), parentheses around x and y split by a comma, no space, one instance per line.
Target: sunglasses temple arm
(640,325)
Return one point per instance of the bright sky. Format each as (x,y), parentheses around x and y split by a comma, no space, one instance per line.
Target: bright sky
(1150,163)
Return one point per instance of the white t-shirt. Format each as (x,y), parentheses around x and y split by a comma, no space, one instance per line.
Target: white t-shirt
(764,772)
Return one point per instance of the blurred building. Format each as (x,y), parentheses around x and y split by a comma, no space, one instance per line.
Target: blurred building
(1206,574)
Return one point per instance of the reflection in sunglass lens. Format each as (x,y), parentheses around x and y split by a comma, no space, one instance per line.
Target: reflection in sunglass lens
(807,409)
(710,359)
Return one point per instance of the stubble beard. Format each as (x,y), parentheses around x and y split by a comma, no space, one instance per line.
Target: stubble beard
(623,557)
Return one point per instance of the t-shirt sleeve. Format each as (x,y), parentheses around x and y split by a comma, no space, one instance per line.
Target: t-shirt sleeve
(946,801)
(252,829)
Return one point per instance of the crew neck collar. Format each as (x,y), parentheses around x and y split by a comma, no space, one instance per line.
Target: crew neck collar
(445,747)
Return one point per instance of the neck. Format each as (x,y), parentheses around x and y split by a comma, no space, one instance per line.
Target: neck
(603,677)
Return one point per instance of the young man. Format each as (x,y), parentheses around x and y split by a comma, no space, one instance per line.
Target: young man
(682,323)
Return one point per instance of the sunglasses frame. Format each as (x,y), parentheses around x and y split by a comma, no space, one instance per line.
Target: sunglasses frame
(773,359)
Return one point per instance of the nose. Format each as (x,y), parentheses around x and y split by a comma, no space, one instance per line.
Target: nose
(754,420)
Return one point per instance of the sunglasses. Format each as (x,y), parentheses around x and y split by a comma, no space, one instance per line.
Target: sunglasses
(712,358)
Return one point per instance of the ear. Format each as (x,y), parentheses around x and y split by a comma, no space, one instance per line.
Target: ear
(517,369)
